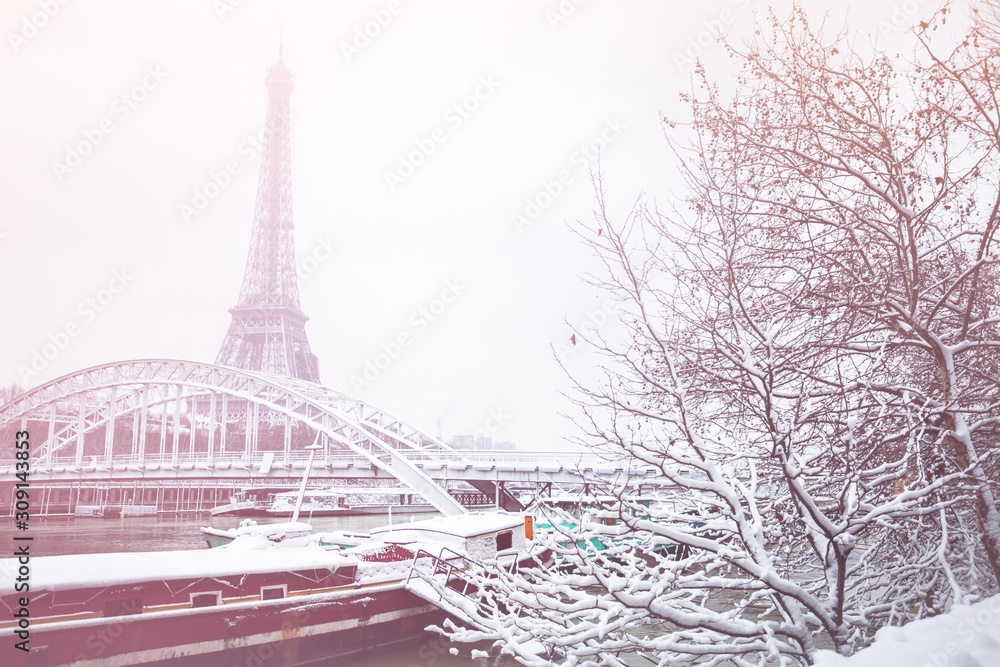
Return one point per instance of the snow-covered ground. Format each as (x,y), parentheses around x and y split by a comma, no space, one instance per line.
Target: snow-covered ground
(967,636)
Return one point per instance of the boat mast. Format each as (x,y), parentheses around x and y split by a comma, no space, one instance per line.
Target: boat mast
(305,477)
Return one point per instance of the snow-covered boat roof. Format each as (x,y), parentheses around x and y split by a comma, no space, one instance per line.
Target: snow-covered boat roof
(274,528)
(579,498)
(463,526)
(374,489)
(348,490)
(317,492)
(96,570)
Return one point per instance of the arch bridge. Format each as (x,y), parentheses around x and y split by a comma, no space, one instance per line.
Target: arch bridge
(161,420)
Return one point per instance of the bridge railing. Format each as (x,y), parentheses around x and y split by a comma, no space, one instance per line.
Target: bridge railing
(564,460)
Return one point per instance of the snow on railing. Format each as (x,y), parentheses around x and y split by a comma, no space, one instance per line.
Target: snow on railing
(450,570)
(469,607)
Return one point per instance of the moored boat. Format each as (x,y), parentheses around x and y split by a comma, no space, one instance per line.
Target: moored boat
(289,533)
(253,501)
(250,602)
(351,501)
(324,502)
(577,510)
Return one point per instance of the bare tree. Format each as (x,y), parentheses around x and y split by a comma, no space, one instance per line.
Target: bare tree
(7,440)
(813,365)
(10,392)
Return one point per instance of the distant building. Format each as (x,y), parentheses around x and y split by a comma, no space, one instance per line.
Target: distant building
(480,443)
(463,442)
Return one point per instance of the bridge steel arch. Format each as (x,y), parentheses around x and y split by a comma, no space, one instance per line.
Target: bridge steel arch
(183,398)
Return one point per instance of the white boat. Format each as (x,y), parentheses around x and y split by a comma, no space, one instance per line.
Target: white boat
(351,501)
(347,501)
(289,533)
(246,502)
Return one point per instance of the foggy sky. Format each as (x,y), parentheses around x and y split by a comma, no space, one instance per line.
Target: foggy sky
(440,153)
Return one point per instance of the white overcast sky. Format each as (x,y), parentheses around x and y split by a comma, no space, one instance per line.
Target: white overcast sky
(558,81)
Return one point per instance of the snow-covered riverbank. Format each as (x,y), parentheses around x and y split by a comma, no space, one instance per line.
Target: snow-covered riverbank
(967,636)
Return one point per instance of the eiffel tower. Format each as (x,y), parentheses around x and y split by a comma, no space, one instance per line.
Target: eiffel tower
(268,332)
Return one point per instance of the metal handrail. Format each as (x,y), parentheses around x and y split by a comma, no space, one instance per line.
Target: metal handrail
(449,569)
(435,558)
(446,567)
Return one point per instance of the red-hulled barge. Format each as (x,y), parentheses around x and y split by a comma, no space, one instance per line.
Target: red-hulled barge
(250,604)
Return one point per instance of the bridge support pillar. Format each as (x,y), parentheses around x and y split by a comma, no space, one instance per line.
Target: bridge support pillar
(80,430)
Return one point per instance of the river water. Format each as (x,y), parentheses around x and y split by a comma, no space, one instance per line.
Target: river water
(58,536)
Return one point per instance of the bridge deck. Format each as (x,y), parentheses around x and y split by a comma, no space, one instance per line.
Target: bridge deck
(538,467)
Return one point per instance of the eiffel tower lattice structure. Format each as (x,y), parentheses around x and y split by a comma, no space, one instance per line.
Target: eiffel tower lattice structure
(267,332)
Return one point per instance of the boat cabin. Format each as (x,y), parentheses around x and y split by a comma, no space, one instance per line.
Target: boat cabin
(312,501)
(482,537)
